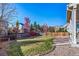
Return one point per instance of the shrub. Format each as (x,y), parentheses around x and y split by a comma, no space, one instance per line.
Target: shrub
(40,49)
(19,49)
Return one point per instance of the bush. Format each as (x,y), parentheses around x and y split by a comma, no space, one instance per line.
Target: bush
(19,49)
(40,49)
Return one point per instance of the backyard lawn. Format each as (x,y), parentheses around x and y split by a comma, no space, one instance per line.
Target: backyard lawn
(33,46)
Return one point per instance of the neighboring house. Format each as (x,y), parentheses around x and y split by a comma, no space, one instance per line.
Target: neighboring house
(3,27)
(72,23)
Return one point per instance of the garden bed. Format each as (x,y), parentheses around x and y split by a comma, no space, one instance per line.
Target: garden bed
(30,47)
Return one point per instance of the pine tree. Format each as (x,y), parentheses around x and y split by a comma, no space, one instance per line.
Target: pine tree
(17,24)
(35,26)
(31,27)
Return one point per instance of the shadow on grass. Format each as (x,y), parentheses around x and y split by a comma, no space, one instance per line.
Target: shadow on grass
(32,37)
(29,42)
(14,49)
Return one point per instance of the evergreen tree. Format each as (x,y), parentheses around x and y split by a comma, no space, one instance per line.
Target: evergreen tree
(17,24)
(38,27)
(31,27)
(35,26)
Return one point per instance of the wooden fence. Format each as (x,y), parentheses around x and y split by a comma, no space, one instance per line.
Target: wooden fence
(59,34)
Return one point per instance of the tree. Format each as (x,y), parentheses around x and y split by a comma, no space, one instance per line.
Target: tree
(27,25)
(62,30)
(7,11)
(45,29)
(35,26)
(31,27)
(41,28)
(38,26)
(17,24)
(51,29)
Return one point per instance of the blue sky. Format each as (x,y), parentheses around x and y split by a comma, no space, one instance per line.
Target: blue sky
(53,14)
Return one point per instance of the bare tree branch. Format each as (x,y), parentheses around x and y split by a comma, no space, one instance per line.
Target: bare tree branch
(7,11)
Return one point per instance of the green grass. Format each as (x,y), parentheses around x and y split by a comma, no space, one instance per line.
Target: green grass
(14,49)
(40,45)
